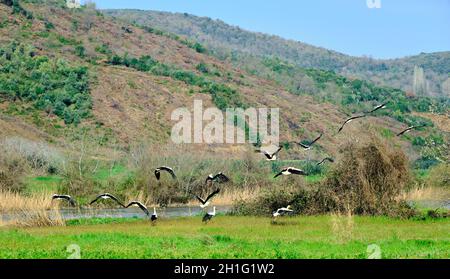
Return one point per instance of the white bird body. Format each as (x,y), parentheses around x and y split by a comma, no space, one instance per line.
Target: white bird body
(282,211)
(270,156)
(204,205)
(208,216)
(154,216)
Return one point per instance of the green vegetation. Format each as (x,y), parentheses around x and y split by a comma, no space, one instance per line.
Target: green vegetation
(194,45)
(52,85)
(356,92)
(17,8)
(223,96)
(233,237)
(43,184)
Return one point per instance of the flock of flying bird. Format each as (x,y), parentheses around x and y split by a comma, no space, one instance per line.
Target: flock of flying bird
(221,178)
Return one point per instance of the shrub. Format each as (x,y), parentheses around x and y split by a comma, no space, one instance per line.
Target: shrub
(425,162)
(49,84)
(80,51)
(367,179)
(440,176)
(37,155)
(199,48)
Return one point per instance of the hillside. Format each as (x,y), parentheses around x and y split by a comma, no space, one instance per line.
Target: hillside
(73,74)
(244,48)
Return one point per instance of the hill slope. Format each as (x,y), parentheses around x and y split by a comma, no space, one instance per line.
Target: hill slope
(241,47)
(74,72)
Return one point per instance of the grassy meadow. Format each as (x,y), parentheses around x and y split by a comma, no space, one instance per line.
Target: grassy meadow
(327,236)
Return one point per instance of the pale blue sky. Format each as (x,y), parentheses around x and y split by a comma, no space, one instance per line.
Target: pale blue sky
(398,28)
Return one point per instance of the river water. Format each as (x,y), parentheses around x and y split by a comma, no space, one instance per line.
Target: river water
(132,212)
(168,212)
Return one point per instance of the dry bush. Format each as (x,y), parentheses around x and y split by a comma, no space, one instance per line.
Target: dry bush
(38,155)
(439,176)
(12,170)
(20,157)
(368,178)
(13,201)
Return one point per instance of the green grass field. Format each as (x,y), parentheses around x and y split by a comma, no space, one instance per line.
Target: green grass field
(233,237)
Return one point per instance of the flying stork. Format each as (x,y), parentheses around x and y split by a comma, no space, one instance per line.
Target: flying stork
(164,168)
(289,171)
(105,197)
(140,205)
(309,145)
(270,156)
(219,178)
(350,120)
(409,129)
(205,202)
(67,198)
(329,159)
(381,106)
(208,216)
(282,211)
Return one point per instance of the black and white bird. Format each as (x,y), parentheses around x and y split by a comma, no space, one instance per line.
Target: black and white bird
(289,171)
(164,168)
(219,178)
(270,156)
(381,106)
(208,216)
(67,198)
(140,205)
(106,196)
(309,145)
(205,202)
(154,216)
(407,130)
(329,159)
(282,211)
(350,120)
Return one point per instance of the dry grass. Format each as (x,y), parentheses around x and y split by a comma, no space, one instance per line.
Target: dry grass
(30,211)
(424,193)
(40,218)
(342,225)
(12,201)
(230,196)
